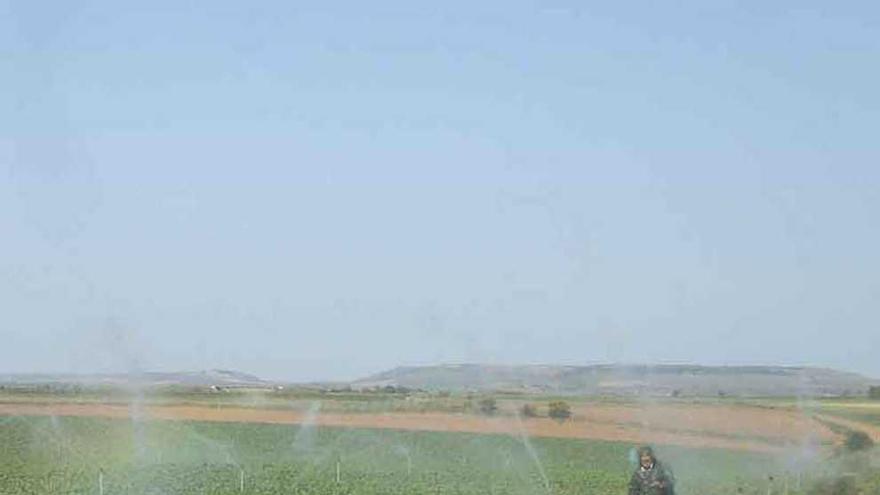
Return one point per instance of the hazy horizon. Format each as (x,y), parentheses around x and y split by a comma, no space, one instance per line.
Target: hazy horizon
(327,190)
(135,372)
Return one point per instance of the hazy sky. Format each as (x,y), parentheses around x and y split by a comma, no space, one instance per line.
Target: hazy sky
(321,190)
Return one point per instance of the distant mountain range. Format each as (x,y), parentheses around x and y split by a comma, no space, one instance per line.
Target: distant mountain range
(227,378)
(604,379)
(611,379)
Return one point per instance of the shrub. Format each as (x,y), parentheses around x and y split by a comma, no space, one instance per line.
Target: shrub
(528,411)
(841,485)
(857,441)
(559,410)
(488,406)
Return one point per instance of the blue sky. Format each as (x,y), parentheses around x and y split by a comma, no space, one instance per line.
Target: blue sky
(320,190)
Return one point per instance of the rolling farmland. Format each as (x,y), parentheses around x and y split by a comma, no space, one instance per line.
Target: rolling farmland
(271,443)
(85,455)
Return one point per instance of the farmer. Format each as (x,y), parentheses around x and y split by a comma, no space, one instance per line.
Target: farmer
(651,477)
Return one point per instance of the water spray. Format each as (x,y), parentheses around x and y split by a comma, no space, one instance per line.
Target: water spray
(400,449)
(524,438)
(303,440)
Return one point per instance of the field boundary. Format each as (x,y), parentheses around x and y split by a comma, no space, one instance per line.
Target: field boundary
(438,422)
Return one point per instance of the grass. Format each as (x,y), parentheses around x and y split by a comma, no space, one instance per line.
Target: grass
(858,410)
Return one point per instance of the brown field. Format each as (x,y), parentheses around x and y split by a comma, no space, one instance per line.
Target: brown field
(728,426)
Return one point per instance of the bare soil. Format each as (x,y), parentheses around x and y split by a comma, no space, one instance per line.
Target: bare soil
(871,430)
(749,428)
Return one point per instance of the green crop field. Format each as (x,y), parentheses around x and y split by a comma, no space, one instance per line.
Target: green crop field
(40,455)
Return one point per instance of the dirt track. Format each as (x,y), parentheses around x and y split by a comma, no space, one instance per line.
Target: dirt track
(871,430)
(693,425)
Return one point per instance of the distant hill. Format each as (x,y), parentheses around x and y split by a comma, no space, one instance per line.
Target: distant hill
(605,379)
(225,378)
(659,380)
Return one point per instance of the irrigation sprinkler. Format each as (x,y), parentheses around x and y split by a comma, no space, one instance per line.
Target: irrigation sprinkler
(101,481)
(338,471)
(241,480)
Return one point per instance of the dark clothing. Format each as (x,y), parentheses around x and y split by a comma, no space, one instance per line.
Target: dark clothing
(655,481)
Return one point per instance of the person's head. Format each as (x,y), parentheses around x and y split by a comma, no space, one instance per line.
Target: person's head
(646,456)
